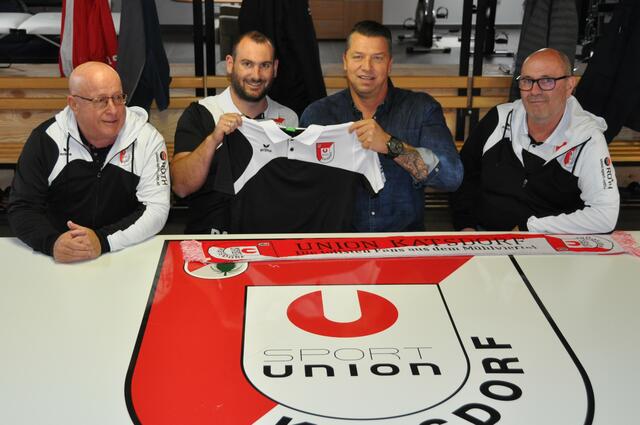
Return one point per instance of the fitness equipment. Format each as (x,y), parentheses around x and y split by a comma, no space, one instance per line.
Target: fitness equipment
(424,23)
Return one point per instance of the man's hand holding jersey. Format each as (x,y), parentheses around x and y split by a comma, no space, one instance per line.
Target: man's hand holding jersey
(373,137)
(227,124)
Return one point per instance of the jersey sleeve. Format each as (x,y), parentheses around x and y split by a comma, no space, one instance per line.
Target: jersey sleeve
(28,200)
(465,202)
(194,125)
(153,194)
(599,192)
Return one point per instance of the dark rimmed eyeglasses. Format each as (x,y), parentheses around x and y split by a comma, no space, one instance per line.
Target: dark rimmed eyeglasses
(102,102)
(546,83)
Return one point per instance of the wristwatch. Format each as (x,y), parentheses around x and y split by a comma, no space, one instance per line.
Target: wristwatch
(395,147)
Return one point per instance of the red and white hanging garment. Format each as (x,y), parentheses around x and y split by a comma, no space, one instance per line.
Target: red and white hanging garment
(87,34)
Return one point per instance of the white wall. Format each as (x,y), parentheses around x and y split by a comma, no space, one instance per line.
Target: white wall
(394,12)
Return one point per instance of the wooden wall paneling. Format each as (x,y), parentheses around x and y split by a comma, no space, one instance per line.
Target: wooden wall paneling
(360,10)
(328,18)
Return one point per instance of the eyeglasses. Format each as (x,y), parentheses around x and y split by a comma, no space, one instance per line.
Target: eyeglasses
(102,102)
(546,83)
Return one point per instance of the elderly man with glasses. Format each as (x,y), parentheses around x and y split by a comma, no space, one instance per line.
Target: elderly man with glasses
(540,163)
(92,179)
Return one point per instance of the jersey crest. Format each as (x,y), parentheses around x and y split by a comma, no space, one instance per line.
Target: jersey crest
(325,151)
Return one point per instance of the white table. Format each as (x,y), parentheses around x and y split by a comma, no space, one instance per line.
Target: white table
(67,333)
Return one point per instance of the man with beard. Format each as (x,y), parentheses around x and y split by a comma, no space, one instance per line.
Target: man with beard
(540,163)
(202,127)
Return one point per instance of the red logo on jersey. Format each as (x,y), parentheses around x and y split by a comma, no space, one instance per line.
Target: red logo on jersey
(278,120)
(325,151)
(123,156)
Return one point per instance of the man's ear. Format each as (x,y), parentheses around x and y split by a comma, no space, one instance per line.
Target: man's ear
(73,103)
(344,61)
(571,85)
(275,68)
(229,60)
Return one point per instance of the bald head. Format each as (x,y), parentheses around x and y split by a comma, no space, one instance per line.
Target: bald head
(90,74)
(552,57)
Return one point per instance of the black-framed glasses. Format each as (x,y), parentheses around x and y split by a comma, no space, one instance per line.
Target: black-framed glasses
(546,83)
(102,102)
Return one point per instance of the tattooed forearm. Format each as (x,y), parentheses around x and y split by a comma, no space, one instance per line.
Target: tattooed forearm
(413,163)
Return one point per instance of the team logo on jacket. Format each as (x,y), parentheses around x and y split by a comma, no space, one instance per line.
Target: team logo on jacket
(353,347)
(606,172)
(124,157)
(162,169)
(325,151)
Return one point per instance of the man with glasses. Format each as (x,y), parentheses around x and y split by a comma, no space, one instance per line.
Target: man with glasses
(92,179)
(540,163)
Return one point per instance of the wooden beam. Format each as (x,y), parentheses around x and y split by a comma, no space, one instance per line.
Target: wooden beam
(44,83)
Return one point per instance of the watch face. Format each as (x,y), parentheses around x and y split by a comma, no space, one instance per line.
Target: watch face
(395,147)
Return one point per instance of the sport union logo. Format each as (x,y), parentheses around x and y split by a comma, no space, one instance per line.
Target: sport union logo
(325,151)
(353,347)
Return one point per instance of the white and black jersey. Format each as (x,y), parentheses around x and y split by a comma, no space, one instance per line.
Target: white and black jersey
(285,183)
(208,209)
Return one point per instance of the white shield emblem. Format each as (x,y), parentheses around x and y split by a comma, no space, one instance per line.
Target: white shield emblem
(354,347)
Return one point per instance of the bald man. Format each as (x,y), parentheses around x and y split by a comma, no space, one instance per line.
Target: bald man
(92,179)
(540,163)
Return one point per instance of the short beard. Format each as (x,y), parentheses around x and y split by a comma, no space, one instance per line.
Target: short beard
(236,84)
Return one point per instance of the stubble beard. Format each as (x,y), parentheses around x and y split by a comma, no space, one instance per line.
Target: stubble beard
(242,93)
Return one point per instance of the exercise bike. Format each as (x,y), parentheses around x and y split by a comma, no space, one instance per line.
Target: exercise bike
(424,23)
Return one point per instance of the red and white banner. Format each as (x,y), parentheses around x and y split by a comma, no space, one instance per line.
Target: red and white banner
(87,34)
(397,246)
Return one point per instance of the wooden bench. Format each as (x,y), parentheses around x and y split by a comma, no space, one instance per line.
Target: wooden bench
(27,101)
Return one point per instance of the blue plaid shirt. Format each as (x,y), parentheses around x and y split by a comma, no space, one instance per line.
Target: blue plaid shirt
(415,118)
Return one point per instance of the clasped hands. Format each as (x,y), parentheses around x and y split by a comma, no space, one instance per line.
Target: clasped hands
(77,244)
